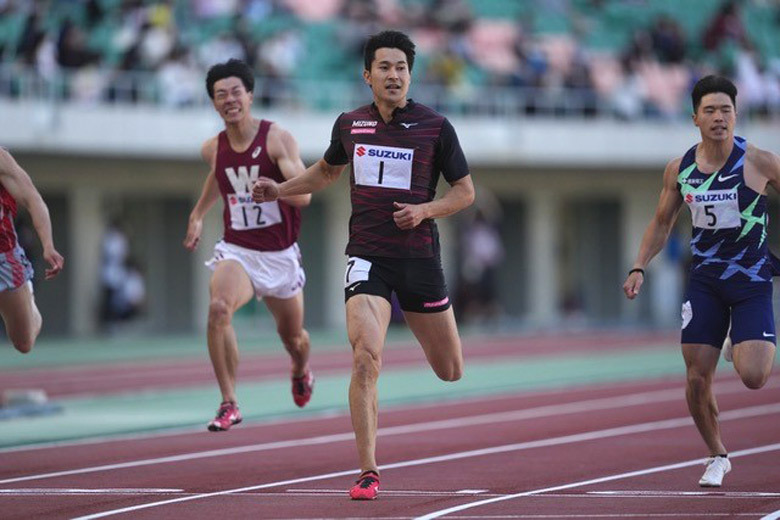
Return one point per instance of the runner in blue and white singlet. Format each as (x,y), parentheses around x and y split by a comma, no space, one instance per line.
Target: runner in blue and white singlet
(731,271)
(729,219)
(723,181)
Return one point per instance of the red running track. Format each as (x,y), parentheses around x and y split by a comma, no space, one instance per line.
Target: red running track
(620,451)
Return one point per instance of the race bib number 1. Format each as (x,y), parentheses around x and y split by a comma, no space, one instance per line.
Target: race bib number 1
(247,214)
(383,166)
(715,209)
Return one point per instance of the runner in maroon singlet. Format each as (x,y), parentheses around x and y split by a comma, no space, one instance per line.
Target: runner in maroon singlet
(398,149)
(258,255)
(17,306)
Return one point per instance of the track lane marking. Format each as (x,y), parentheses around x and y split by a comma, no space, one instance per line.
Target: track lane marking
(610,478)
(752,411)
(589,405)
(84,491)
(723,388)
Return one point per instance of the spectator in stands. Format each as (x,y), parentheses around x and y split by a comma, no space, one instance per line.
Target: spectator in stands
(180,79)
(72,51)
(668,40)
(139,35)
(725,26)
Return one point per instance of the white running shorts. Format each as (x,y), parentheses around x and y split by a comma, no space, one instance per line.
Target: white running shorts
(278,274)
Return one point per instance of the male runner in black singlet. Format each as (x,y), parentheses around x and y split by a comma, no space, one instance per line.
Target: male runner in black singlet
(397,149)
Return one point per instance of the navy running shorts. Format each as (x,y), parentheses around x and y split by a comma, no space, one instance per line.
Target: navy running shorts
(418,282)
(710,304)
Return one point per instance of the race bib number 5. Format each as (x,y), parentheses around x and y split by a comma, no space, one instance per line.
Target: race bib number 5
(247,214)
(715,209)
(383,166)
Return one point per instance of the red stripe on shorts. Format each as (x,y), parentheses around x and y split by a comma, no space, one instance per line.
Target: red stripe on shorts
(17,269)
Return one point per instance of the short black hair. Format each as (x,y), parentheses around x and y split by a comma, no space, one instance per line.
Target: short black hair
(230,68)
(710,85)
(389,40)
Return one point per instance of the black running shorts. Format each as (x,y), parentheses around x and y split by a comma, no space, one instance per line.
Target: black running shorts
(418,282)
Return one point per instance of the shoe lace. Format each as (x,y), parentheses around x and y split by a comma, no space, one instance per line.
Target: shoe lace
(300,384)
(365,482)
(224,410)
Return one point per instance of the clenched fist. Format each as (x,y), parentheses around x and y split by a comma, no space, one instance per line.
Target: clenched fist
(265,190)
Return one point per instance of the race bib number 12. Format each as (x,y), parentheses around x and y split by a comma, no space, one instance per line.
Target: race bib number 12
(247,214)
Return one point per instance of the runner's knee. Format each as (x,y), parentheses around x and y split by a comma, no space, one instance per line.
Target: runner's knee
(451,372)
(219,313)
(294,341)
(366,363)
(23,343)
(754,378)
(698,383)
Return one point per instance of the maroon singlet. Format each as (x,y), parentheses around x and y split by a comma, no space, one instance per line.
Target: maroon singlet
(270,226)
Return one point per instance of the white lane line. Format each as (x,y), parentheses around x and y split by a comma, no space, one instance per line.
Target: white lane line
(492,418)
(610,478)
(722,388)
(651,493)
(606,403)
(772,516)
(568,439)
(82,491)
(605,515)
(391,492)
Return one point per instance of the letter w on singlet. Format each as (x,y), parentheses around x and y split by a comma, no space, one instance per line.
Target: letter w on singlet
(244,179)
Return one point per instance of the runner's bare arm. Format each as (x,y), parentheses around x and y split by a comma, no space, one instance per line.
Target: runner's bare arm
(208,196)
(21,188)
(657,232)
(317,177)
(283,150)
(767,164)
(459,196)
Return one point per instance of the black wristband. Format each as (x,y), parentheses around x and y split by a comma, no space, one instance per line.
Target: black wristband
(636,270)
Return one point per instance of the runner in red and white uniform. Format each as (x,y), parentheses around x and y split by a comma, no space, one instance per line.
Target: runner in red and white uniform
(397,149)
(17,306)
(258,255)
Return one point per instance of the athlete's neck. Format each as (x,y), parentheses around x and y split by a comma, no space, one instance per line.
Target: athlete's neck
(242,133)
(714,154)
(386,109)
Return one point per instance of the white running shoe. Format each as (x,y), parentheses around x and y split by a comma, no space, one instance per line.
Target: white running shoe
(717,467)
(728,349)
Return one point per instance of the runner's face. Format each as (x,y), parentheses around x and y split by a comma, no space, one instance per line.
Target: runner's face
(716,117)
(389,77)
(231,100)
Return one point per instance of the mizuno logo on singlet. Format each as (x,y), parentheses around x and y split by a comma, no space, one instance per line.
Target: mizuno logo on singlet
(408,125)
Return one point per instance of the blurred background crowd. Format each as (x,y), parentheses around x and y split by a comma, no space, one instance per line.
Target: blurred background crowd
(627,59)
